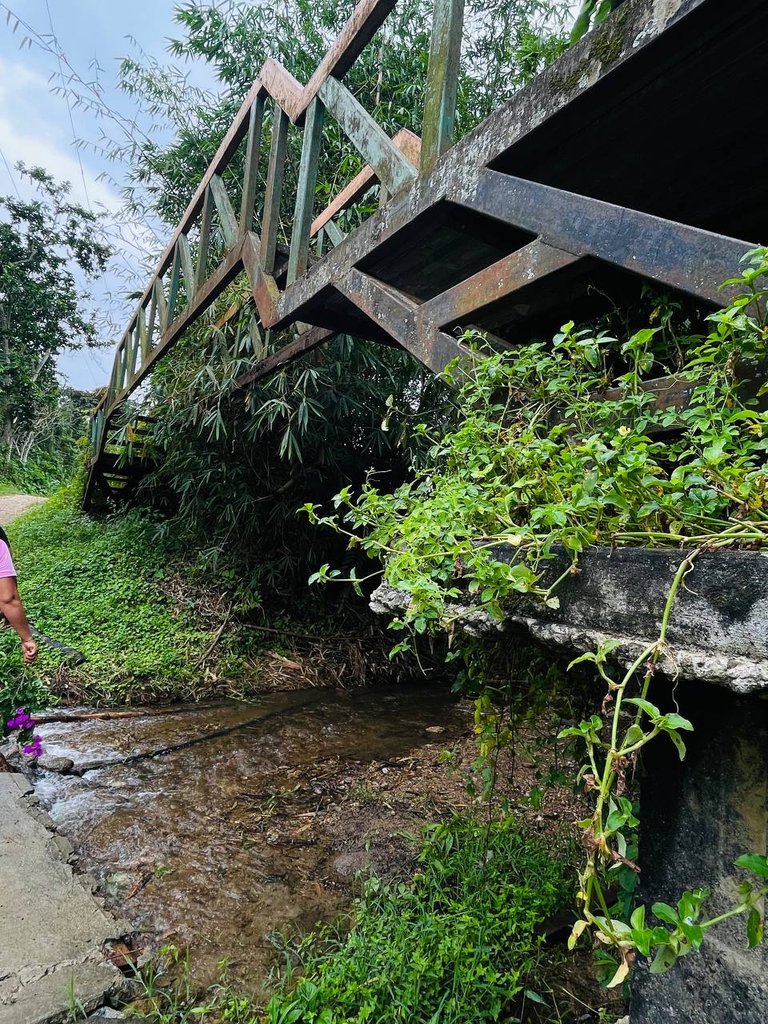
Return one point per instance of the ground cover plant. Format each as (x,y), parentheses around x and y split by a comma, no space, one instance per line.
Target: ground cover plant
(560,446)
(95,586)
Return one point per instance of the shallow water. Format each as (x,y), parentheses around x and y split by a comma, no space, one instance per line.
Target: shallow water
(199,824)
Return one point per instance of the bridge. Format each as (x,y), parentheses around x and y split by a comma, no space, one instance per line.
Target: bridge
(622,163)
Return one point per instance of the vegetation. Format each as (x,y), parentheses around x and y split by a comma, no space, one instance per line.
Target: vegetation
(543,459)
(98,587)
(461,941)
(44,243)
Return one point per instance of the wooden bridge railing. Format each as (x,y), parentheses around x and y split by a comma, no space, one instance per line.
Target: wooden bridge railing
(217,238)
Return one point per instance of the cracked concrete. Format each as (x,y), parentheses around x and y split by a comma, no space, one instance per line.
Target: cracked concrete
(52,929)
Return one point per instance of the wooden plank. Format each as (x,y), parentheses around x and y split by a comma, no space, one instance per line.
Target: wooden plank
(305,191)
(163,306)
(690,259)
(143,334)
(251,167)
(263,287)
(289,353)
(173,291)
(406,141)
(391,167)
(204,242)
(132,351)
(152,320)
(274,190)
(442,81)
(335,234)
(522,267)
(187,266)
(226,213)
(367,17)
(284,89)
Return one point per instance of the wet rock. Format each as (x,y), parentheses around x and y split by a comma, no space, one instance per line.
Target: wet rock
(60,765)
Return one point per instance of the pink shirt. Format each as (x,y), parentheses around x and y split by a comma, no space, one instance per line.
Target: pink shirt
(6,562)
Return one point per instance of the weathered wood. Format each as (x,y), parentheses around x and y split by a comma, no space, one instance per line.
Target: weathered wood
(335,234)
(531,263)
(226,213)
(679,256)
(406,141)
(367,17)
(251,168)
(187,266)
(263,287)
(206,294)
(442,81)
(152,319)
(173,290)
(163,306)
(305,192)
(284,89)
(389,164)
(204,242)
(289,353)
(143,335)
(274,190)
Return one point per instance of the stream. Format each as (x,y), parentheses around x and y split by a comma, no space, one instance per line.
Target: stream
(215,826)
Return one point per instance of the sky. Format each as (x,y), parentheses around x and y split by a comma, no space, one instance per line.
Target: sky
(38,128)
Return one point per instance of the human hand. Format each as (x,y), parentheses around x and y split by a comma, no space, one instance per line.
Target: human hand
(29,650)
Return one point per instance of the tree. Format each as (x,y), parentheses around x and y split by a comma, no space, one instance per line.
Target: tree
(44,243)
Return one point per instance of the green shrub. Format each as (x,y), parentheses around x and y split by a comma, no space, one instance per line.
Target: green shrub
(459,943)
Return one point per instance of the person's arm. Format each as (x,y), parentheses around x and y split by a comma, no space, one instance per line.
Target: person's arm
(12,608)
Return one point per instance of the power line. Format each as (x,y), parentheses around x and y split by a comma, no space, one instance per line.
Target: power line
(11,175)
(69,107)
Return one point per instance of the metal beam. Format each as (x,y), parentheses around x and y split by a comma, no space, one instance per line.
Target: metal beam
(676,255)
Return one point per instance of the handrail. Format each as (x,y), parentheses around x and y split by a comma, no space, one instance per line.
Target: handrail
(183,285)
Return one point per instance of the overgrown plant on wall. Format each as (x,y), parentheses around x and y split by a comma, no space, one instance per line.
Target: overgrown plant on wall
(557,447)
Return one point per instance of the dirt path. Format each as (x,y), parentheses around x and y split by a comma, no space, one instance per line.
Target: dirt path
(14,505)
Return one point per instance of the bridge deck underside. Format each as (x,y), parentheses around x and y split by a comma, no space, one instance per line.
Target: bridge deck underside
(637,157)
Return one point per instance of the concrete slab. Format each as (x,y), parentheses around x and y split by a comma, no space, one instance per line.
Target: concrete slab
(52,930)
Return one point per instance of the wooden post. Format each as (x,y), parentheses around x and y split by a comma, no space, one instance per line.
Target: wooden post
(206,222)
(274,191)
(251,171)
(305,192)
(442,82)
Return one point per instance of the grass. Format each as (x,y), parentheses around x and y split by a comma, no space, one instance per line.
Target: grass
(6,488)
(457,943)
(96,585)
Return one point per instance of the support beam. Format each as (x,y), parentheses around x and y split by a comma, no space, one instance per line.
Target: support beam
(288,354)
(524,266)
(396,314)
(274,192)
(305,191)
(251,168)
(442,82)
(676,255)
(391,167)
(263,287)
(227,217)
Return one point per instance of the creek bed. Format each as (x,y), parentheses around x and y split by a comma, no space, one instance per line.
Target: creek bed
(215,826)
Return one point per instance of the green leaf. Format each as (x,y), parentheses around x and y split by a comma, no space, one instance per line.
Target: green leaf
(755,863)
(678,742)
(666,913)
(665,958)
(755,928)
(645,705)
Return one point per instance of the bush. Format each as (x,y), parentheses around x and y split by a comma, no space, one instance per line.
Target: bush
(460,943)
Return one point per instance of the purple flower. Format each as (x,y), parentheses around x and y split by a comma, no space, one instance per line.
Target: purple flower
(21,719)
(35,748)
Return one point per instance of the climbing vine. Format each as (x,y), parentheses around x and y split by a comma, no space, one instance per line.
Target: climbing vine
(556,447)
